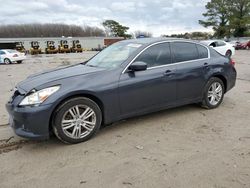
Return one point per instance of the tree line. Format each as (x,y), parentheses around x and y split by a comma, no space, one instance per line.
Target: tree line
(111,28)
(192,35)
(48,30)
(228,17)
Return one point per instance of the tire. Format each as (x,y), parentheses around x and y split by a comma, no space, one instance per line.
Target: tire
(76,129)
(228,53)
(19,62)
(7,61)
(207,99)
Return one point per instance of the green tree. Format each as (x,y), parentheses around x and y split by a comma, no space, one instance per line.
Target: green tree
(240,17)
(113,28)
(217,17)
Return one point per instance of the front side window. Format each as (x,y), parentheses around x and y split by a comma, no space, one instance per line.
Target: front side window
(184,51)
(156,55)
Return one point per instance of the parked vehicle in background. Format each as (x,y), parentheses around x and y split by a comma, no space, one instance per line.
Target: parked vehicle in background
(50,47)
(242,45)
(20,47)
(63,46)
(35,48)
(9,56)
(224,48)
(76,46)
(128,78)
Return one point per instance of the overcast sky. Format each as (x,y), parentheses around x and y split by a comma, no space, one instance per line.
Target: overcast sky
(156,16)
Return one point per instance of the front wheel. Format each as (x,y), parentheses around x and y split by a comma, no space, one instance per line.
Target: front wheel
(77,120)
(7,61)
(213,93)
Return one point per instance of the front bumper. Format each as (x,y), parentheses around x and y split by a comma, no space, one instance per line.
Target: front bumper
(30,122)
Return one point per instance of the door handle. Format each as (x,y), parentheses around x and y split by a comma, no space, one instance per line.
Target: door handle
(168,73)
(205,65)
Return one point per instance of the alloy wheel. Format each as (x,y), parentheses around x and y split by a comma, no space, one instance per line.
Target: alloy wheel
(7,61)
(79,121)
(215,93)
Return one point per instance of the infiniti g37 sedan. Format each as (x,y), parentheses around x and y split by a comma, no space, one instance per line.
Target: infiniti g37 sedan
(129,78)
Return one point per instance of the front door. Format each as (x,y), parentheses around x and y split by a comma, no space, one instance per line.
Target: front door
(150,89)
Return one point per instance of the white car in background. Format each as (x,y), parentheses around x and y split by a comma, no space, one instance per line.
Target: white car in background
(9,56)
(221,46)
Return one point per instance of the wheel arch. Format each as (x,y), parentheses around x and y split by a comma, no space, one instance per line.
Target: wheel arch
(68,97)
(222,78)
(6,58)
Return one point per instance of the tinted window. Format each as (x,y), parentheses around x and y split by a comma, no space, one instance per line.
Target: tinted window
(203,53)
(2,52)
(156,55)
(184,51)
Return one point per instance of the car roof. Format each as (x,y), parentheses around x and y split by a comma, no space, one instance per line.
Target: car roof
(148,41)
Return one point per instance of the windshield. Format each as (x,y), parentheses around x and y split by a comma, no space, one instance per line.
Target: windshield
(114,55)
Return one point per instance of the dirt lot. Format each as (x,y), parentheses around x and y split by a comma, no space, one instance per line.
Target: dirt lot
(183,147)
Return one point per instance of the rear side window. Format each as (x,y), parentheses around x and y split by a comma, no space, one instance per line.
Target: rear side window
(156,55)
(221,43)
(184,51)
(203,52)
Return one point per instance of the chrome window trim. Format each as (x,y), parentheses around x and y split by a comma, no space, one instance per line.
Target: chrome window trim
(177,63)
(160,42)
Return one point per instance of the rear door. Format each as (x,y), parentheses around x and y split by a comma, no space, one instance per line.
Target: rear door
(192,62)
(152,88)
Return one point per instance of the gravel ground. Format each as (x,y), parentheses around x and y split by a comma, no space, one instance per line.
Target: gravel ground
(182,147)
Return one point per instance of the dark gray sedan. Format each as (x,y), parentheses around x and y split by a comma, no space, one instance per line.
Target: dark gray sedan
(129,78)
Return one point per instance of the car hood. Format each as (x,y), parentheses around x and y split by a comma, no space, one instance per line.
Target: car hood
(39,79)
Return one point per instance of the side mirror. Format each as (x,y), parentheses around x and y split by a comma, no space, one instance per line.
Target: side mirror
(138,66)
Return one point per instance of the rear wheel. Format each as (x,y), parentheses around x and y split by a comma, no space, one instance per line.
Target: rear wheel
(213,93)
(77,120)
(7,61)
(19,62)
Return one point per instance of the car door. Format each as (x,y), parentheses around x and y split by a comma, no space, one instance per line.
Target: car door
(150,89)
(192,62)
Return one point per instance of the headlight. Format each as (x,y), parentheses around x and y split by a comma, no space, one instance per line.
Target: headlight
(38,97)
